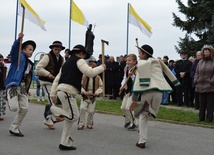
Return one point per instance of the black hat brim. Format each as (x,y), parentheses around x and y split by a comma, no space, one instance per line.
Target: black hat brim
(87,54)
(52,46)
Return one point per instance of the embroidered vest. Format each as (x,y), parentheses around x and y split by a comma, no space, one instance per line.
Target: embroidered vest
(53,66)
(95,84)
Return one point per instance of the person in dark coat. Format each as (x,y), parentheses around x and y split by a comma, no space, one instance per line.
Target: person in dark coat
(199,56)
(173,93)
(3,72)
(112,80)
(182,69)
(122,64)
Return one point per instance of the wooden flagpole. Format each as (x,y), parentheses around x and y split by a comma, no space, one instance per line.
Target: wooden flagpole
(103,74)
(22,30)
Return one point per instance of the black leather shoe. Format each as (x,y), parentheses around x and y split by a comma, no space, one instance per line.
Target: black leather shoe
(62,147)
(141,145)
(127,124)
(133,127)
(16,134)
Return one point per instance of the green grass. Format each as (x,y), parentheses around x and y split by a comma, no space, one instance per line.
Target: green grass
(111,106)
(177,115)
(171,115)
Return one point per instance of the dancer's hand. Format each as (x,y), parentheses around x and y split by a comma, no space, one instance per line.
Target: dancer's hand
(20,36)
(50,76)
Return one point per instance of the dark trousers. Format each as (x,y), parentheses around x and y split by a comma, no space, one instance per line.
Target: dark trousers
(196,100)
(191,96)
(173,96)
(206,104)
(182,96)
(113,90)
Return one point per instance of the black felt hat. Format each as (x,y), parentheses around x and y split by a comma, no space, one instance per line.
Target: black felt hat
(80,48)
(147,49)
(29,42)
(57,44)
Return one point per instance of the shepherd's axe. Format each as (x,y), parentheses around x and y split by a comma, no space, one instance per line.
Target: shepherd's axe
(103,54)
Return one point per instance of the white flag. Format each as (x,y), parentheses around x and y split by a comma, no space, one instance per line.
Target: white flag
(30,14)
(135,19)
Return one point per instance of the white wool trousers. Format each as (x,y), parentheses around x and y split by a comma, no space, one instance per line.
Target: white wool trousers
(70,111)
(154,99)
(86,106)
(18,102)
(47,89)
(126,103)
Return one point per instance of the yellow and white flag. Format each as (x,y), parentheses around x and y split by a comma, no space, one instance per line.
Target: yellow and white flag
(77,15)
(135,19)
(30,14)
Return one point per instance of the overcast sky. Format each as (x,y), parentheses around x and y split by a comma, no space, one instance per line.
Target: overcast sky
(110,17)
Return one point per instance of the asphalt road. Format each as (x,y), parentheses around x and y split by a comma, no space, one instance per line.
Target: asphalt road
(108,137)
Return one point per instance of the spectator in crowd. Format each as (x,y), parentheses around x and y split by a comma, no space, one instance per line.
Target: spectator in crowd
(199,56)
(191,90)
(38,85)
(7,61)
(204,81)
(66,54)
(182,70)
(192,59)
(165,97)
(171,64)
(3,72)
(122,64)
(173,93)
(112,80)
(99,61)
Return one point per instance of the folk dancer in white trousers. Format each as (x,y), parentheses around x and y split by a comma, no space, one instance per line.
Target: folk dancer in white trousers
(150,84)
(91,89)
(66,86)
(126,85)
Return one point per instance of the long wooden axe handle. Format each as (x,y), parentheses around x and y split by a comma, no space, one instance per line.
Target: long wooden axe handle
(103,61)
(20,41)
